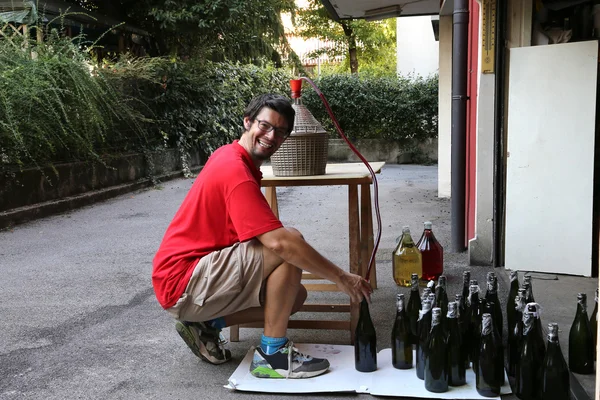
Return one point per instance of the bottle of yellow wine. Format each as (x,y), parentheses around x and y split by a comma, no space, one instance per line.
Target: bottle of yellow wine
(406,259)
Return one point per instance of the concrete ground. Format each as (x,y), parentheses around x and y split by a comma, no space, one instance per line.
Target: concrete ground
(80,320)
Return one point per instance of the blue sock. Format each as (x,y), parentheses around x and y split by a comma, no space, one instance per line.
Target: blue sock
(217,323)
(271,344)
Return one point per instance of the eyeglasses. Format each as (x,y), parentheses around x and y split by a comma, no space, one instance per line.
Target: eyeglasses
(264,126)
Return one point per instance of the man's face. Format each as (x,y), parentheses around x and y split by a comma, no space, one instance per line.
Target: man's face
(258,141)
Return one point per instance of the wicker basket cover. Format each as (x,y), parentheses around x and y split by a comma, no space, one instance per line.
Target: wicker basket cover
(304,152)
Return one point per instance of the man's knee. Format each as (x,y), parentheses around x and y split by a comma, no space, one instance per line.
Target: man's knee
(295,231)
(300,299)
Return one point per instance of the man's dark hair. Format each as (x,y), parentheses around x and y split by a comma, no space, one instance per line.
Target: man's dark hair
(275,102)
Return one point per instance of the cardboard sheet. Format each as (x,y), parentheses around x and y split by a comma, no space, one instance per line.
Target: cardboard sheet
(343,377)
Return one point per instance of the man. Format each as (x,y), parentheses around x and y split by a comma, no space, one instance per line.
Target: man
(226,259)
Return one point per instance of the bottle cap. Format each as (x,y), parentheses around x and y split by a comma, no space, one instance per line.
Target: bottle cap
(473,282)
(406,229)
(442,281)
(399,296)
(428,225)
(514,275)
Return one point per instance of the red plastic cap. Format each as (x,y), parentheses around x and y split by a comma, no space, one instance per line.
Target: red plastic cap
(296,85)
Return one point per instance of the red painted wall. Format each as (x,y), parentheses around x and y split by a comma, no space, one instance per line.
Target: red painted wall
(471,156)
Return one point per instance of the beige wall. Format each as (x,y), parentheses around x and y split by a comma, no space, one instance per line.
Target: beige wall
(444,106)
(417,50)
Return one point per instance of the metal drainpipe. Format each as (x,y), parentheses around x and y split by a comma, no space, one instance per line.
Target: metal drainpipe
(499,136)
(460,43)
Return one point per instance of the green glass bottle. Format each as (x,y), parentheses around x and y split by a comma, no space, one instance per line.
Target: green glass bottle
(489,373)
(456,354)
(594,322)
(466,284)
(581,342)
(491,296)
(529,368)
(413,308)
(423,328)
(463,325)
(365,341)
(511,310)
(555,373)
(402,351)
(406,259)
(514,342)
(474,317)
(441,296)
(436,363)
(528,286)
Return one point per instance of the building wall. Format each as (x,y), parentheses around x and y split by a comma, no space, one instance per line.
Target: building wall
(444,106)
(417,49)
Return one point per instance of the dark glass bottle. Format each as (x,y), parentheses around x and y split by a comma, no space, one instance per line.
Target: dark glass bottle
(489,373)
(555,373)
(528,286)
(528,377)
(441,296)
(511,310)
(432,254)
(581,342)
(402,351)
(491,296)
(456,354)
(423,329)
(594,322)
(474,319)
(436,363)
(514,343)
(365,341)
(463,324)
(413,307)
(466,284)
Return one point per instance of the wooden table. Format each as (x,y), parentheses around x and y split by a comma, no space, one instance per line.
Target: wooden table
(360,225)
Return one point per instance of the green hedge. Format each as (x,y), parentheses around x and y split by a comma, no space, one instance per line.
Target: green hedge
(377,107)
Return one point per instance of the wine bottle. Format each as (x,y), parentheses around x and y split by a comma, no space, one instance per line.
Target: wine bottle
(514,343)
(490,366)
(432,254)
(431,286)
(466,284)
(488,307)
(406,259)
(594,322)
(528,286)
(413,307)
(441,296)
(491,296)
(511,311)
(402,351)
(365,341)
(529,368)
(463,324)
(474,323)
(555,373)
(581,342)
(456,354)
(423,328)
(436,363)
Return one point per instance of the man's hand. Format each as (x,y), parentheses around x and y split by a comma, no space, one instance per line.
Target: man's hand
(355,286)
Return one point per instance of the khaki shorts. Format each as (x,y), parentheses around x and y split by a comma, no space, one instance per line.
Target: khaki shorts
(222,283)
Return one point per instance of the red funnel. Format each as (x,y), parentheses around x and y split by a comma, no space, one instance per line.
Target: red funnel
(296,85)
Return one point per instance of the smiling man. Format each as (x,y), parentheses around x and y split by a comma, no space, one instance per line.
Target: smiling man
(225,259)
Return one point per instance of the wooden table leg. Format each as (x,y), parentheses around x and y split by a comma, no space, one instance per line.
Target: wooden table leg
(354,249)
(366,234)
(271,195)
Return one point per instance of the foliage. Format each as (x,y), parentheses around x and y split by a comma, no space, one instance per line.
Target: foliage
(249,31)
(373,41)
(393,108)
(52,107)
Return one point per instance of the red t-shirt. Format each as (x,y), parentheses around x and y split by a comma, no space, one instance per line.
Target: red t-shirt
(224,206)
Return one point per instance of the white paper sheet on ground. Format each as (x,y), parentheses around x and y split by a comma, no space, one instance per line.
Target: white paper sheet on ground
(389,381)
(343,377)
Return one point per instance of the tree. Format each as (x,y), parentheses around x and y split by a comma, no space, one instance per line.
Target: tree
(374,43)
(235,30)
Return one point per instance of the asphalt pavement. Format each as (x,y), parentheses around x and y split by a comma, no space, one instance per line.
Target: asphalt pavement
(80,320)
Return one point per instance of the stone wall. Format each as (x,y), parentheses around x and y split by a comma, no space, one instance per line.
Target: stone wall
(383,150)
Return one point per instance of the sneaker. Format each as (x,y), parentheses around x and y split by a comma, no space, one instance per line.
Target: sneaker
(205,341)
(287,362)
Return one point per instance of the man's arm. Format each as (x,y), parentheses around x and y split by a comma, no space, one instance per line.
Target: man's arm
(296,251)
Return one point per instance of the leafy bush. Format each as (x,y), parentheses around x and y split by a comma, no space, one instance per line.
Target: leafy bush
(367,107)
